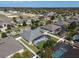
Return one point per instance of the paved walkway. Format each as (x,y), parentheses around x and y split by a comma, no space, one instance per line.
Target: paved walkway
(60,39)
(18,39)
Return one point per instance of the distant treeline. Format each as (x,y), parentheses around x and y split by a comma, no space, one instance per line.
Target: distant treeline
(41,10)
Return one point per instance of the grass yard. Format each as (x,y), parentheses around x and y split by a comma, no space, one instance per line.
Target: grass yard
(17,55)
(55,39)
(40,45)
(30,46)
(48,47)
(24,54)
(22,27)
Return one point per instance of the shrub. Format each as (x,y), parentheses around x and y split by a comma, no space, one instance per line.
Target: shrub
(3,35)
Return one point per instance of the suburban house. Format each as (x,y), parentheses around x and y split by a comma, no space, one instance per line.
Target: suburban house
(54,29)
(39,15)
(60,49)
(28,21)
(72,20)
(76,44)
(33,36)
(73,52)
(59,23)
(76,40)
(14,12)
(20,21)
(1,12)
(9,46)
(4,21)
(76,37)
(51,14)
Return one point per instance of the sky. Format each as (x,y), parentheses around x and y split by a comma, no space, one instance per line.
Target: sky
(39,3)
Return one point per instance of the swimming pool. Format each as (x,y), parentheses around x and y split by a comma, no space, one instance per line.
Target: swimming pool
(58,53)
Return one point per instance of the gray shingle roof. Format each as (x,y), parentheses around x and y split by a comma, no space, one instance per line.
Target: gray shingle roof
(51,27)
(72,20)
(62,45)
(60,23)
(4,20)
(72,53)
(76,44)
(30,35)
(8,46)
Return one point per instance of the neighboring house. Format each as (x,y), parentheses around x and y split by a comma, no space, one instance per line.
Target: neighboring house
(60,49)
(9,46)
(32,35)
(72,20)
(20,21)
(72,53)
(76,37)
(59,23)
(4,20)
(54,29)
(39,15)
(51,14)
(28,21)
(76,44)
(47,18)
(12,11)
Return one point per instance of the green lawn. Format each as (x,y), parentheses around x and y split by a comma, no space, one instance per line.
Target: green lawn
(55,39)
(21,27)
(40,45)
(30,46)
(48,47)
(17,55)
(24,54)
